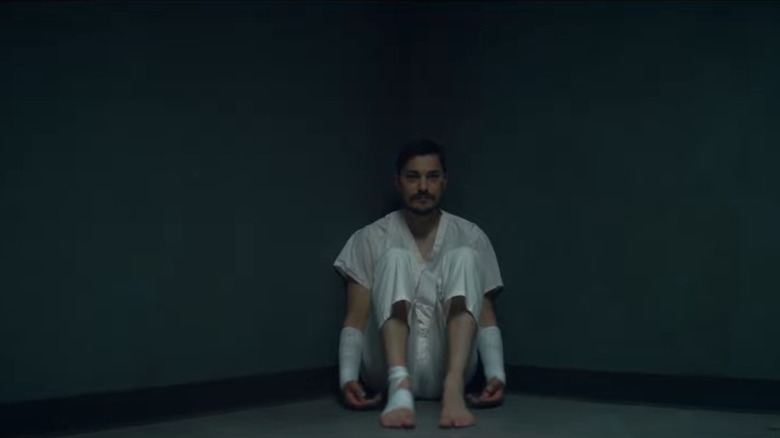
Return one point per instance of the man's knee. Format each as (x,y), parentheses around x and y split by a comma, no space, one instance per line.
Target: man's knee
(393,283)
(461,281)
(462,256)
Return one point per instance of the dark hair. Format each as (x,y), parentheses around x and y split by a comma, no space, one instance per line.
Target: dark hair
(417,148)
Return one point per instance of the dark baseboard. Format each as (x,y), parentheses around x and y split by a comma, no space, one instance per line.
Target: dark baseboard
(94,412)
(719,393)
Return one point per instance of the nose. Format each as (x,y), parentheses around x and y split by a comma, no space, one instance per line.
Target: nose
(423,184)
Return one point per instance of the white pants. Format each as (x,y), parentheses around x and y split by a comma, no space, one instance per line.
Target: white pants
(398,277)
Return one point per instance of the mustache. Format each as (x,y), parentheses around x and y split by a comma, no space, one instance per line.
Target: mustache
(423,195)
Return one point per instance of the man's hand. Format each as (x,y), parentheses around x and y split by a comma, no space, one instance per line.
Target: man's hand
(355,396)
(492,395)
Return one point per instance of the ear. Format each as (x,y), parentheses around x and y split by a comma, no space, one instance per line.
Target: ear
(397,181)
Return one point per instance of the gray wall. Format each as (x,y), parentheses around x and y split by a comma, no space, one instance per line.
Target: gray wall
(623,160)
(176,182)
(165,169)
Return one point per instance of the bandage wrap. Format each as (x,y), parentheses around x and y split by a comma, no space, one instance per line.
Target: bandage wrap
(398,397)
(491,350)
(350,351)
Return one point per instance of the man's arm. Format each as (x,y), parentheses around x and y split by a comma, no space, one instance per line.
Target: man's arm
(358,305)
(488,316)
(351,345)
(492,355)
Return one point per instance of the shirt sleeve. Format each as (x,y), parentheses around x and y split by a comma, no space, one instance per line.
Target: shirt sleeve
(492,279)
(355,260)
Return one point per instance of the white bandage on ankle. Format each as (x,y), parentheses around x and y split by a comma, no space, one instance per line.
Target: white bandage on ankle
(350,351)
(491,350)
(398,397)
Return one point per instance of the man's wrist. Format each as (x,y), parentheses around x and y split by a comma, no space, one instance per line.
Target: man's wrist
(491,351)
(350,351)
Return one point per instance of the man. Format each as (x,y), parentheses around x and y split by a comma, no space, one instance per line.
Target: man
(420,287)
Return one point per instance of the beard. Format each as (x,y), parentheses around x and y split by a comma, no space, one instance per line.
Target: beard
(429,209)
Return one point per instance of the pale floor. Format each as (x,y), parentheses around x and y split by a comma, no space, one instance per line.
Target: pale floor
(521,416)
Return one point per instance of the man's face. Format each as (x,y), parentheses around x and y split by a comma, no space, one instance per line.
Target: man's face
(421,184)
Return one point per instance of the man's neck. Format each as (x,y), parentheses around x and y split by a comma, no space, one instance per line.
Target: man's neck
(421,226)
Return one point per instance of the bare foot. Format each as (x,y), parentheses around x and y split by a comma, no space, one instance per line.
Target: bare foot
(453,406)
(401,417)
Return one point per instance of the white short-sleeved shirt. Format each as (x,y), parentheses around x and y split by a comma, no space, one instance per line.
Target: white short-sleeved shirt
(368,244)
